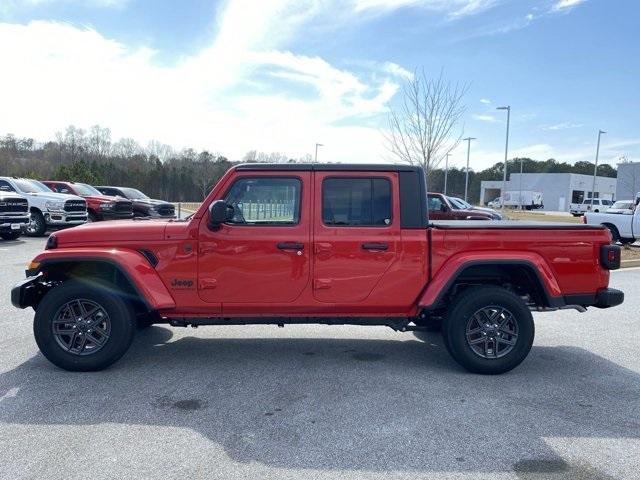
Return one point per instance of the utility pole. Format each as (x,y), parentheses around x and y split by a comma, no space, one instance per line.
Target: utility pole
(595,168)
(506,152)
(466,178)
(316,157)
(446,172)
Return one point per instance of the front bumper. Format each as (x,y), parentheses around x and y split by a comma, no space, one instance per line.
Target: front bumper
(107,215)
(25,292)
(62,219)
(7,223)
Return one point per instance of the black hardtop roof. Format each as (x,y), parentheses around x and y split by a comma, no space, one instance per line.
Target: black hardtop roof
(333,167)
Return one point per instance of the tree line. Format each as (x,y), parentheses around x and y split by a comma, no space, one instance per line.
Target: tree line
(188,175)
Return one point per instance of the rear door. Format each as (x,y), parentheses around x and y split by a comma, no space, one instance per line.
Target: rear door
(356,233)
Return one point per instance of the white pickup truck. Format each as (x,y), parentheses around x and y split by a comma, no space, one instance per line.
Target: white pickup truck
(598,205)
(624,228)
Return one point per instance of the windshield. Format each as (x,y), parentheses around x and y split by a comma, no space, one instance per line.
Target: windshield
(84,189)
(133,194)
(31,186)
(459,204)
(623,205)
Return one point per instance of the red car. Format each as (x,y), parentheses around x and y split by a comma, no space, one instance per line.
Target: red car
(441,208)
(99,206)
(310,243)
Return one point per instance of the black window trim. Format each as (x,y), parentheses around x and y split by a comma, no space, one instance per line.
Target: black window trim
(266,224)
(356,177)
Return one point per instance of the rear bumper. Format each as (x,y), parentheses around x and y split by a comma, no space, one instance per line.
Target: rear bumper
(609,297)
(604,298)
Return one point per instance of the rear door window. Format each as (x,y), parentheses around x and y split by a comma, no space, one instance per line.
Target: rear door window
(356,202)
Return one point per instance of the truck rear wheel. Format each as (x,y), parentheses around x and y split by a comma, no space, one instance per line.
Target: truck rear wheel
(488,330)
(81,327)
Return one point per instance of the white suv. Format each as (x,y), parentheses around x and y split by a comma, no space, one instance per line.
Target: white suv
(48,209)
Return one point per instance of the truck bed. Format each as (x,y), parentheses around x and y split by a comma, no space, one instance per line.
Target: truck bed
(509,225)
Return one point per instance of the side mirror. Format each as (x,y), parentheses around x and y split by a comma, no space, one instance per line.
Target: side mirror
(219,212)
(443,208)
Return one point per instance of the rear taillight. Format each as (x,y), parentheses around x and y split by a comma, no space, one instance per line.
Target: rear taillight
(610,256)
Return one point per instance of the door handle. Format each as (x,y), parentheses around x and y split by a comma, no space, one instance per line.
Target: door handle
(375,246)
(290,246)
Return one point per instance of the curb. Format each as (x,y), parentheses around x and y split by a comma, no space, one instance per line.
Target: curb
(630,263)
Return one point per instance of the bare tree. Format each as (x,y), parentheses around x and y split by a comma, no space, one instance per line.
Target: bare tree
(99,141)
(423,128)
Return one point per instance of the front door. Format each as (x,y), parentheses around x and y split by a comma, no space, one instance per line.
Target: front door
(262,255)
(356,233)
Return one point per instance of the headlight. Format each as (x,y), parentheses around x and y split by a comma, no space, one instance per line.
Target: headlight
(107,206)
(54,206)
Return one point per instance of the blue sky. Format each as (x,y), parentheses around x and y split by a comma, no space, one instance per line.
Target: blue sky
(280,75)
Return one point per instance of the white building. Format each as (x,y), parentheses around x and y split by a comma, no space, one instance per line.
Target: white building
(558,189)
(628,184)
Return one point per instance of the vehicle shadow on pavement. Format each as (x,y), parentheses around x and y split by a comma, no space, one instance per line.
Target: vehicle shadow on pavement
(342,404)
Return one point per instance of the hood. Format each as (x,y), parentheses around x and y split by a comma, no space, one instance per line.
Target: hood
(150,201)
(105,198)
(54,197)
(113,231)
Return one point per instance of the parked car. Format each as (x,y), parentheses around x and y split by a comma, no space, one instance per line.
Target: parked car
(143,206)
(624,228)
(312,243)
(597,205)
(48,209)
(625,207)
(460,204)
(441,208)
(99,206)
(14,214)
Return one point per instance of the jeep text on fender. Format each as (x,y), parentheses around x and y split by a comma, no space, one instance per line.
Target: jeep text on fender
(333,244)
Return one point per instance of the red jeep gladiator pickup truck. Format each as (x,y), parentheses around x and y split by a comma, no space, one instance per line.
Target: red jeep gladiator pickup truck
(331,244)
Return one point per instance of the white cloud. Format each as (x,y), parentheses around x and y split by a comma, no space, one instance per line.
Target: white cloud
(9,5)
(453,8)
(562,126)
(486,101)
(397,71)
(484,117)
(565,5)
(225,98)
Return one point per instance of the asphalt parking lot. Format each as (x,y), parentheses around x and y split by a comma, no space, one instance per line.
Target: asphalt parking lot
(323,402)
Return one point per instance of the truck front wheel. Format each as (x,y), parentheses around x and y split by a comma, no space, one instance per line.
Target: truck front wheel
(37,227)
(82,327)
(488,330)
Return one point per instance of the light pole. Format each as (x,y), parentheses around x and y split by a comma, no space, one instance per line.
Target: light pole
(506,151)
(595,168)
(316,157)
(466,178)
(446,171)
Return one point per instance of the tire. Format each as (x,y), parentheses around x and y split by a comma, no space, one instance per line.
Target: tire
(10,235)
(38,226)
(615,235)
(116,335)
(91,217)
(626,241)
(460,323)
